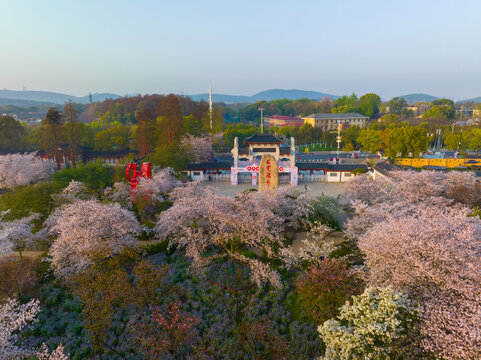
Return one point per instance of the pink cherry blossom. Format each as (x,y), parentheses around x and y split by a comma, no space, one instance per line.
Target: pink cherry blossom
(162,182)
(13,317)
(201,218)
(16,235)
(23,169)
(86,230)
(57,354)
(198,148)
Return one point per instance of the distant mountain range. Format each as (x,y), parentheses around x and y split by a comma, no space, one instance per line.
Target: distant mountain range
(22,103)
(267,95)
(476,99)
(47,97)
(414,98)
(31,98)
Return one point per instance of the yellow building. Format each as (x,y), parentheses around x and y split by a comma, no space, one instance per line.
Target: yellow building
(329,122)
(446,163)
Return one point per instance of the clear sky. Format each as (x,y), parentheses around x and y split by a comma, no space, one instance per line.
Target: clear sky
(242,47)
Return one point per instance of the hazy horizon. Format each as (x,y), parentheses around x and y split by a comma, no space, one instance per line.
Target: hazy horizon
(242,48)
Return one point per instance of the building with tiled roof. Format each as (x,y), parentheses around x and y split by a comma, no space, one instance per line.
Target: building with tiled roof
(282,120)
(330,121)
(260,144)
(264,139)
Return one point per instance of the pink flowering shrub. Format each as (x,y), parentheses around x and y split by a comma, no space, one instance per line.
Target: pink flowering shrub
(23,169)
(166,332)
(86,231)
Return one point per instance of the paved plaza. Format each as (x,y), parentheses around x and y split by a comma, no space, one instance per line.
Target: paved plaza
(316,188)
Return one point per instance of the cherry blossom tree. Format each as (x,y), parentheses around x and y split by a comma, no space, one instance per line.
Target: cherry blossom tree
(57,354)
(13,317)
(417,236)
(87,231)
(198,148)
(414,187)
(75,190)
(162,182)
(200,218)
(363,188)
(433,255)
(119,192)
(16,235)
(313,248)
(290,204)
(463,187)
(23,169)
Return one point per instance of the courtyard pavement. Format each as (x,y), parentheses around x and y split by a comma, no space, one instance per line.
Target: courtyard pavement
(333,190)
(316,188)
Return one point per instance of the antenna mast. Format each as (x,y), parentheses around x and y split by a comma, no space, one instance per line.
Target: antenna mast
(210,106)
(261,109)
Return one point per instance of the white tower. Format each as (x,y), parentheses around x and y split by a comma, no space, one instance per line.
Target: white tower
(210,106)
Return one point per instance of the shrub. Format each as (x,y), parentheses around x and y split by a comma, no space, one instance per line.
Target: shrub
(95,176)
(378,326)
(325,211)
(159,247)
(358,171)
(322,290)
(345,248)
(24,200)
(16,276)
(259,340)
